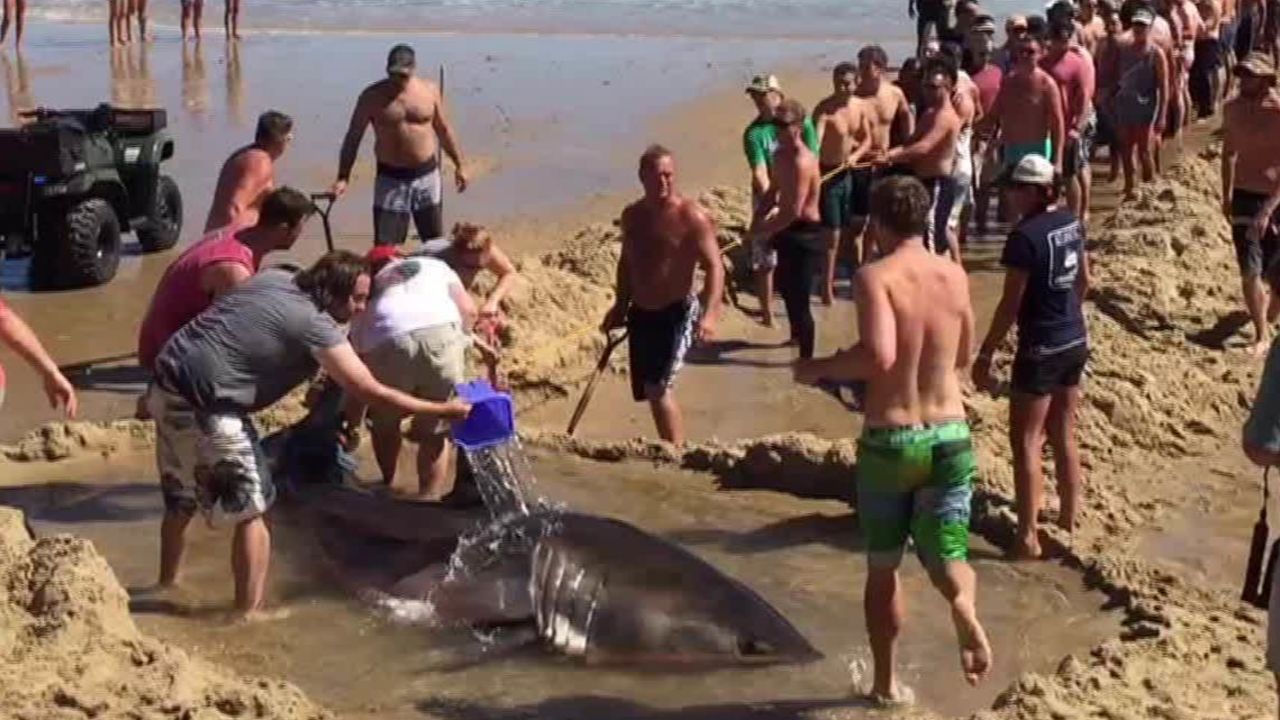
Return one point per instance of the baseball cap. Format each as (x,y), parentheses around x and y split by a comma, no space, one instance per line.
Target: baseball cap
(1256,64)
(401,60)
(1032,170)
(1142,16)
(764,84)
(380,255)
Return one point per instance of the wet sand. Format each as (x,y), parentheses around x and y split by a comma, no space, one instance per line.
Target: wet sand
(797,554)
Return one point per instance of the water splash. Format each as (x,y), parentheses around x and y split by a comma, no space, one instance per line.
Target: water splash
(505,479)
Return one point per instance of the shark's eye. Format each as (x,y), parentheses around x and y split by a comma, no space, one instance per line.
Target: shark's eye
(751,647)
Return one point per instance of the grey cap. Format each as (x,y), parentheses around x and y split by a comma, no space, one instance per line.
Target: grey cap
(401,60)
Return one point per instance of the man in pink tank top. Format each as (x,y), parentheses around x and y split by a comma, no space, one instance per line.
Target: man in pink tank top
(217,263)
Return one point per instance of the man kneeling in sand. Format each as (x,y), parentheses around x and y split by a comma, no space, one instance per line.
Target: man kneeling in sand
(249,349)
(665,238)
(915,459)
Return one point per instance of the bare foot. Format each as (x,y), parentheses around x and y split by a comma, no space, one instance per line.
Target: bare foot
(258,616)
(975,650)
(1260,346)
(1025,550)
(899,696)
(766,321)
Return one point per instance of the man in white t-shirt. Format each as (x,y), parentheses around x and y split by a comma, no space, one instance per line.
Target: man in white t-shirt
(414,338)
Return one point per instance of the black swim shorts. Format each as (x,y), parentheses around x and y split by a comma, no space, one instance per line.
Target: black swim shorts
(1255,257)
(657,341)
(1040,373)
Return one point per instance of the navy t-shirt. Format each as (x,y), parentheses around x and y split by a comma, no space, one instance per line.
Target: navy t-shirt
(1049,248)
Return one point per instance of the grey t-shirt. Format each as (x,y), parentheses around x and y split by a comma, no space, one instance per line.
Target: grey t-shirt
(249,348)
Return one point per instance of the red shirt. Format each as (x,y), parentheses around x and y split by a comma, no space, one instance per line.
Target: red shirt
(1075,77)
(179,296)
(988,80)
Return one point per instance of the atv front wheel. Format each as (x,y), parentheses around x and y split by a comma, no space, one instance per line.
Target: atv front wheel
(89,239)
(163,225)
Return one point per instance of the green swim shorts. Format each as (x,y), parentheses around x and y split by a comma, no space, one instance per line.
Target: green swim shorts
(916,482)
(1014,152)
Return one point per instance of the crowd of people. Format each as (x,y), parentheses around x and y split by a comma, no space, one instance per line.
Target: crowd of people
(890,176)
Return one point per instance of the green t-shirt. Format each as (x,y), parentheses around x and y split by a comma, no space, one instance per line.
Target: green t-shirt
(761,139)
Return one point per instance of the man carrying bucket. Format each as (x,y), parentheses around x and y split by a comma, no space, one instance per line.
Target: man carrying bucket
(414,338)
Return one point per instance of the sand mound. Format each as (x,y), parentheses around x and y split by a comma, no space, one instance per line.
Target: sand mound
(60,440)
(72,651)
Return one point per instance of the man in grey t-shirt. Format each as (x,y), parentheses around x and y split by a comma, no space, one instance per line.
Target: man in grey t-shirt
(242,354)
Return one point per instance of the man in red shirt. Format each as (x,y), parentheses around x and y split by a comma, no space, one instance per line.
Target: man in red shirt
(221,261)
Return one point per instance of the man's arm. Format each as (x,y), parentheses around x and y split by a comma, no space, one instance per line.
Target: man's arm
(789,204)
(1228,161)
(341,363)
(221,277)
(1015,285)
(760,181)
(1162,81)
(448,142)
(876,350)
(1085,278)
(925,144)
(465,303)
(708,249)
(617,315)
(256,180)
(505,270)
(904,121)
(19,337)
(1057,120)
(1086,89)
(351,142)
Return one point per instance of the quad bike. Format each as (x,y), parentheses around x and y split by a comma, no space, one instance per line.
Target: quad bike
(72,181)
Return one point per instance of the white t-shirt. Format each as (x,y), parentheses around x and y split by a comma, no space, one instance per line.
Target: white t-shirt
(408,295)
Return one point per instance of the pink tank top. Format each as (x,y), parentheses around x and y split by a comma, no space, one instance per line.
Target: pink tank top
(179,297)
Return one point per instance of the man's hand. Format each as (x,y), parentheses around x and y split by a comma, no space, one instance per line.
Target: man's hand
(455,410)
(460,179)
(338,188)
(982,378)
(911,10)
(349,438)
(1259,226)
(706,330)
(1227,211)
(615,318)
(60,393)
(806,371)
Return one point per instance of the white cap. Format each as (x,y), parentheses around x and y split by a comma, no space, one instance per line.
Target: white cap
(1033,170)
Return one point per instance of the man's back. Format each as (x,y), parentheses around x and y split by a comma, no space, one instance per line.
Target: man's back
(245,179)
(922,301)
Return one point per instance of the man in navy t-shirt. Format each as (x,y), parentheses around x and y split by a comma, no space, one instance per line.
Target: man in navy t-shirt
(1047,275)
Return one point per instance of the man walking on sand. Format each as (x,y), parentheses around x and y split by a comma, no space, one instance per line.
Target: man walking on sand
(1250,156)
(248,350)
(407,114)
(1028,111)
(844,138)
(1074,75)
(790,221)
(666,238)
(1046,279)
(250,174)
(759,141)
(931,154)
(916,461)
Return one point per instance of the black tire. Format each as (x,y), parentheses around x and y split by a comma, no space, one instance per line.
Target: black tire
(89,240)
(163,225)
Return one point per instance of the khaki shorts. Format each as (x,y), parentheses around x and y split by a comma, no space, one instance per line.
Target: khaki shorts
(426,363)
(211,462)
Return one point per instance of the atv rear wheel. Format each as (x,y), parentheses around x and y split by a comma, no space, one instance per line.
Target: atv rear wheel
(163,225)
(87,238)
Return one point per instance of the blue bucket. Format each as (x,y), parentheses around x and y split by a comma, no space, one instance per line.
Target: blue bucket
(492,418)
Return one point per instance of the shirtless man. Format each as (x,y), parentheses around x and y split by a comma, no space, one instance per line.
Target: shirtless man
(665,239)
(844,137)
(1076,79)
(1092,26)
(891,119)
(1028,111)
(789,220)
(1250,125)
(407,114)
(915,459)
(931,154)
(250,174)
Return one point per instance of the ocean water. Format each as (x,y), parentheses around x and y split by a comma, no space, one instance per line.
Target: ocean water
(830,19)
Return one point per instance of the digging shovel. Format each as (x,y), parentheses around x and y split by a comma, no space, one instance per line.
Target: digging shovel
(612,343)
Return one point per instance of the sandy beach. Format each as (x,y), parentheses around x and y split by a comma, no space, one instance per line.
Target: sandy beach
(1135,617)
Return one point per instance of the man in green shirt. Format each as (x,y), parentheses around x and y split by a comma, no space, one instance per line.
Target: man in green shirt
(759,141)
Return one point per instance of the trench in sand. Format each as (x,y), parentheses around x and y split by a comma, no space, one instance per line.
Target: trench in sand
(799,555)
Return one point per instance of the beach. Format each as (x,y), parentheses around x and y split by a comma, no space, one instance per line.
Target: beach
(1136,616)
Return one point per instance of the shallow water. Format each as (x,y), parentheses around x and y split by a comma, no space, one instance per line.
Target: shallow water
(799,555)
